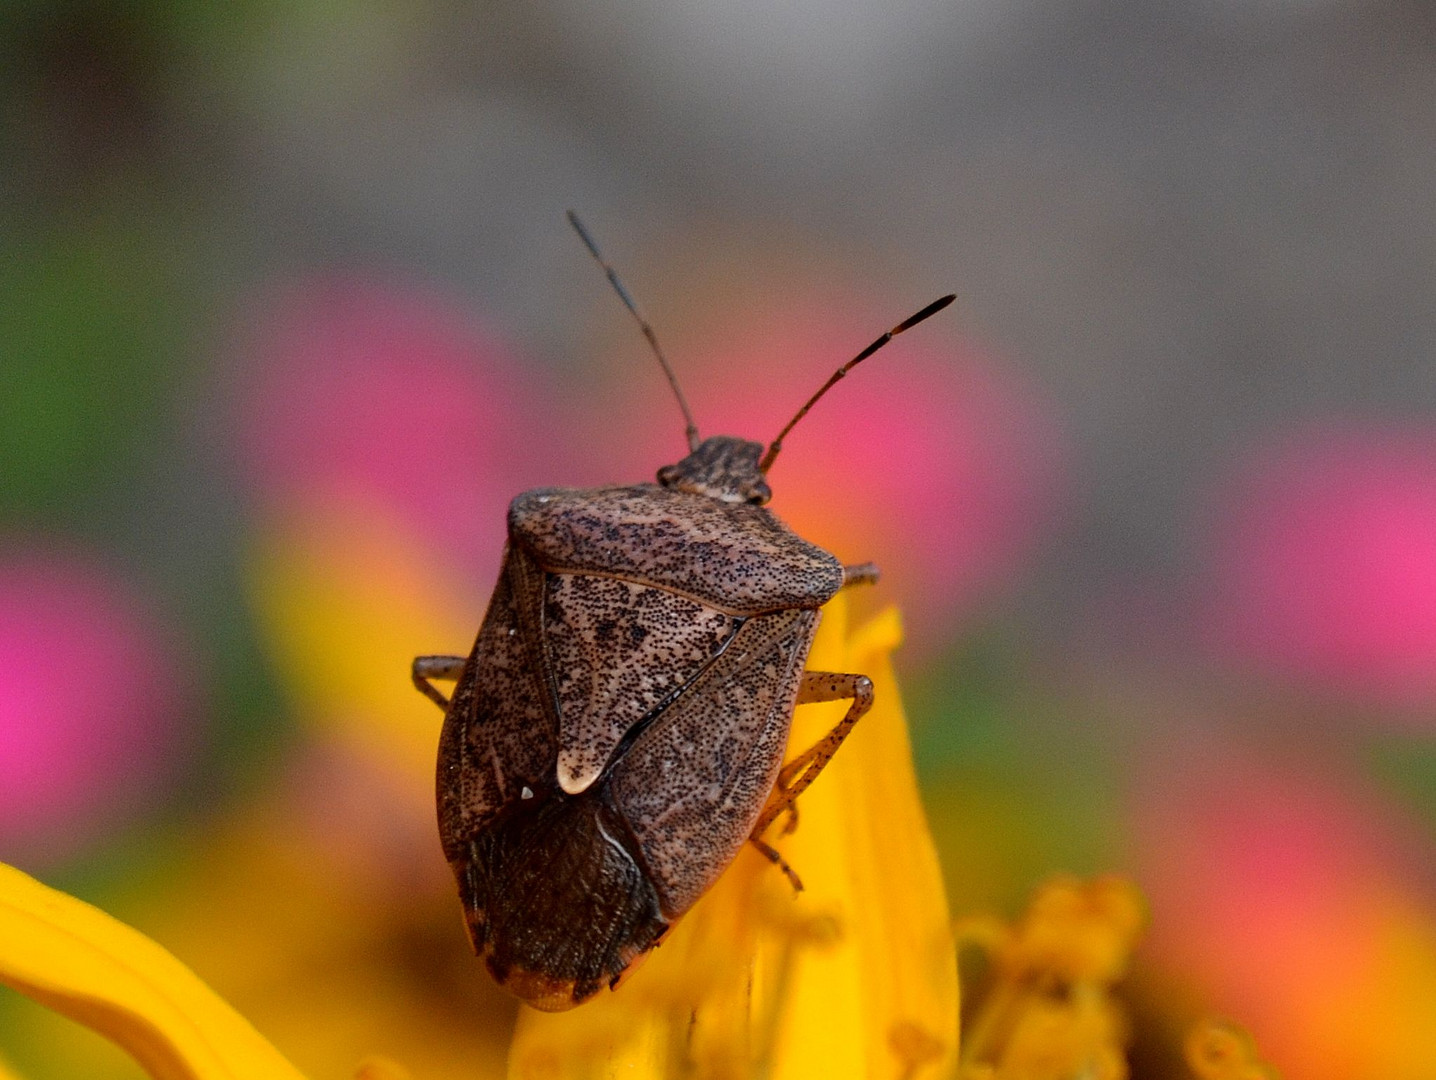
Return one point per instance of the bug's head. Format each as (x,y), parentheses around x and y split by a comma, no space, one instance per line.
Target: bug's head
(722,467)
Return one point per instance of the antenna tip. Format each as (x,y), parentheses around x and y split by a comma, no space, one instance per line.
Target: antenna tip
(932,309)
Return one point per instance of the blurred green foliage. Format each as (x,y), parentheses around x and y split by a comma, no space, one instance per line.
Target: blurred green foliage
(1019,781)
(93,320)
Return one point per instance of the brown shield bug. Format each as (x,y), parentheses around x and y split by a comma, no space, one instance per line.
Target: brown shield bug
(617,733)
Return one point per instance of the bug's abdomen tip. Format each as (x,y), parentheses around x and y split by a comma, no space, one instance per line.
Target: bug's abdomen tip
(541,991)
(557,906)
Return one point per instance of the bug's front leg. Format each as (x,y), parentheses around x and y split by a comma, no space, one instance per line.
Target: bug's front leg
(448,668)
(863,573)
(796,775)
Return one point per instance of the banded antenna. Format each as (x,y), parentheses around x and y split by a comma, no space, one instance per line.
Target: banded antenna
(907,324)
(692,429)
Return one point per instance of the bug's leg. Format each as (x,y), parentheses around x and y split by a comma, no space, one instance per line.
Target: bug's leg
(796,775)
(864,573)
(771,853)
(425,668)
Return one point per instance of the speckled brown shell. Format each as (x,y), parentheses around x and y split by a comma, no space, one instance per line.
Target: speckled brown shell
(618,726)
(735,557)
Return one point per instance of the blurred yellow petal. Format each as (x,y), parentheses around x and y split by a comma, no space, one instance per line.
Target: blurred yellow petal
(1049,1013)
(331,958)
(1080,1035)
(1080,931)
(79,961)
(1219,1050)
(6,1072)
(854,977)
(348,598)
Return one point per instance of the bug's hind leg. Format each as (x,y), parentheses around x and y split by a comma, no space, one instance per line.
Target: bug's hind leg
(425,668)
(796,775)
(865,573)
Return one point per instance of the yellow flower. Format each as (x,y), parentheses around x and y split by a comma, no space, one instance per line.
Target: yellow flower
(856,976)
(80,962)
(1049,1013)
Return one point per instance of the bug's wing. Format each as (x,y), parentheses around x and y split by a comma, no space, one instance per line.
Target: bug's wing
(694,782)
(616,652)
(500,732)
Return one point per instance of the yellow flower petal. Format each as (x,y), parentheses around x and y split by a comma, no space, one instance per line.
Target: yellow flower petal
(855,977)
(863,848)
(79,961)
(347,599)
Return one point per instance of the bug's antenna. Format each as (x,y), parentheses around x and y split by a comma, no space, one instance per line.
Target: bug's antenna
(692,429)
(907,324)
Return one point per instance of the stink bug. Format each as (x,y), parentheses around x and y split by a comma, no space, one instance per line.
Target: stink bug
(617,733)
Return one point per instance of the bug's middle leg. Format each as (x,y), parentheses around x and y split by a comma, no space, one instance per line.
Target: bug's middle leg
(448,668)
(796,775)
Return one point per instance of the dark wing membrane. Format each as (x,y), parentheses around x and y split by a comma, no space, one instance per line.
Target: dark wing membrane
(617,650)
(557,905)
(692,785)
(732,556)
(500,733)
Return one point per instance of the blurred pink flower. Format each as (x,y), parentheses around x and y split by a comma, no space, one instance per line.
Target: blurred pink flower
(1324,561)
(87,705)
(1296,902)
(931,459)
(368,392)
